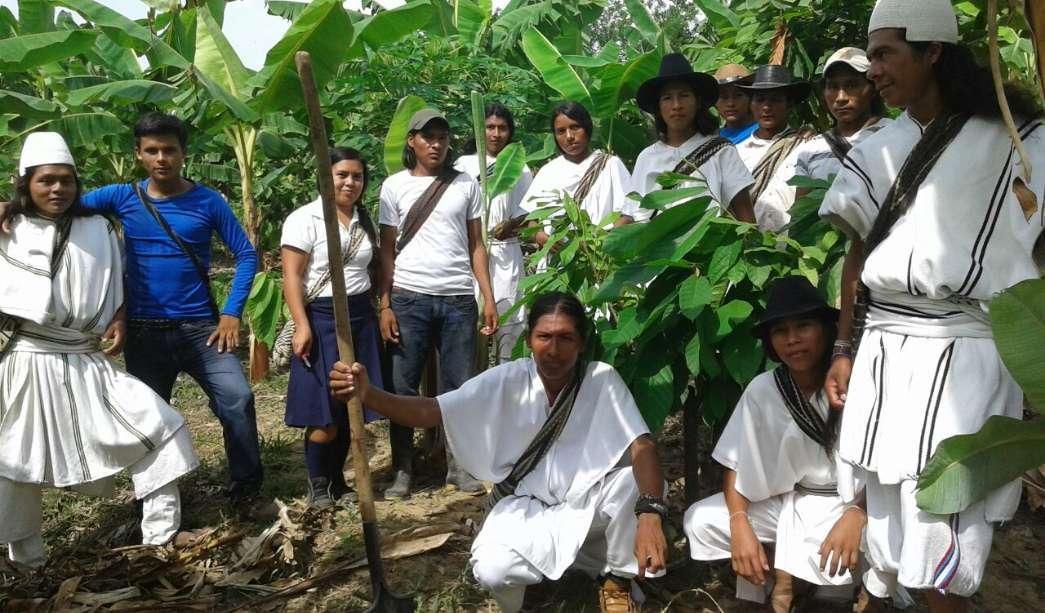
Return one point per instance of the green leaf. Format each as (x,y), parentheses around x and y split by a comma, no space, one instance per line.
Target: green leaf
(741,355)
(398,129)
(655,396)
(965,469)
(559,75)
(119,61)
(35,16)
(393,25)
(123,92)
(239,109)
(285,9)
(643,21)
(30,107)
(631,240)
(693,355)
(216,58)
(694,295)
(1018,322)
(508,169)
(79,129)
(717,13)
(127,33)
(729,314)
(22,53)
(325,31)
(264,306)
(724,259)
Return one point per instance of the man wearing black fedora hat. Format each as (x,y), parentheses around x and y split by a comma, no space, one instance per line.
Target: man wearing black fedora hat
(688,143)
(774,93)
(781,484)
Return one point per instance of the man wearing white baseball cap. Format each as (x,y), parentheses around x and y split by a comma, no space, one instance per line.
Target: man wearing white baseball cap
(942,217)
(857,110)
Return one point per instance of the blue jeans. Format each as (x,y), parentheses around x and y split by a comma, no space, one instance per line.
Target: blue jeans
(157,355)
(425,322)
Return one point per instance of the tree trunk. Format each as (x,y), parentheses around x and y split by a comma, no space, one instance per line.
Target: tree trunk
(691,419)
(244,138)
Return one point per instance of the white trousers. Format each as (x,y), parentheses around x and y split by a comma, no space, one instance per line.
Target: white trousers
(609,547)
(155,484)
(920,550)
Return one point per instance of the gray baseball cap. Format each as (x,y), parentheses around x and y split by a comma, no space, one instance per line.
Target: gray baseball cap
(421,118)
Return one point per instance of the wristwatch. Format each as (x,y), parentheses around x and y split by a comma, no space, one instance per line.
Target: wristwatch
(651,504)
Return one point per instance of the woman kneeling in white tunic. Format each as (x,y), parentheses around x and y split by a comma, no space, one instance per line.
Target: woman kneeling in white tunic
(68,416)
(591,500)
(780,484)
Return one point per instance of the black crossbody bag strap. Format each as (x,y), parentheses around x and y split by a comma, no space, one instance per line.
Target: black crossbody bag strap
(200,270)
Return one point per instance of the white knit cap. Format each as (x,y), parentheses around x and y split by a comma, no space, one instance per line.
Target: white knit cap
(924,20)
(850,56)
(44,148)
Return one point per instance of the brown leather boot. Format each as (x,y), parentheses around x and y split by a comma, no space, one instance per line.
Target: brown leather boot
(615,596)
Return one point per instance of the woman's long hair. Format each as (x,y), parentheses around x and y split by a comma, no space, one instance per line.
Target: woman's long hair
(705,123)
(340,154)
(968,87)
(22,204)
(576,112)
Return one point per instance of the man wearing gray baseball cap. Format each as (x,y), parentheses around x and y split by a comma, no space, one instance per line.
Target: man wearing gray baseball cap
(942,215)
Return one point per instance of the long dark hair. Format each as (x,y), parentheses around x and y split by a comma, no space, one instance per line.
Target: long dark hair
(967,87)
(494,109)
(559,302)
(22,204)
(409,158)
(340,154)
(576,112)
(705,123)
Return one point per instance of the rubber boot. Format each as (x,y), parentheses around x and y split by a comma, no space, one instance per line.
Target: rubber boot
(400,487)
(459,478)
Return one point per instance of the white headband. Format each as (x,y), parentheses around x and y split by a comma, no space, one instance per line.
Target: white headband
(44,148)
(924,20)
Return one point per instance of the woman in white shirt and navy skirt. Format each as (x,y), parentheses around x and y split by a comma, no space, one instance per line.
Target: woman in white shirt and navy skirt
(306,287)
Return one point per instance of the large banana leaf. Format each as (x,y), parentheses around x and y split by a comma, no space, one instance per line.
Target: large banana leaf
(966,468)
(22,53)
(643,21)
(35,16)
(472,18)
(118,61)
(325,31)
(397,131)
(216,58)
(126,32)
(79,129)
(718,14)
(238,108)
(8,23)
(618,83)
(391,26)
(123,92)
(285,9)
(1018,322)
(508,169)
(27,106)
(556,72)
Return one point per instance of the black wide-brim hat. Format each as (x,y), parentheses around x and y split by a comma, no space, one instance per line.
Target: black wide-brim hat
(775,77)
(675,67)
(793,296)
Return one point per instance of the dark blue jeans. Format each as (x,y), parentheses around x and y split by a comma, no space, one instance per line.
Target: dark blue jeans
(157,355)
(446,323)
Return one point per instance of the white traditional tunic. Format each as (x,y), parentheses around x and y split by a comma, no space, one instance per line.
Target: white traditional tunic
(608,195)
(789,479)
(752,150)
(724,174)
(68,416)
(927,368)
(489,422)
(813,159)
(506,256)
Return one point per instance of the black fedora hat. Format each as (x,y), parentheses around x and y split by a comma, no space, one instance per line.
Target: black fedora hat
(793,296)
(774,76)
(675,67)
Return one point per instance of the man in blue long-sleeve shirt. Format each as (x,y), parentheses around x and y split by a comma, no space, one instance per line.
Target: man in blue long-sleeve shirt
(172,326)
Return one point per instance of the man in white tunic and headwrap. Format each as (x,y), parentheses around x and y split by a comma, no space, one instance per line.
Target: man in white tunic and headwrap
(858,112)
(688,142)
(597,181)
(68,416)
(505,254)
(941,220)
(578,483)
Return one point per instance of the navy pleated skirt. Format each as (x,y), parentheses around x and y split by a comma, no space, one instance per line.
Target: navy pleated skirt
(309,402)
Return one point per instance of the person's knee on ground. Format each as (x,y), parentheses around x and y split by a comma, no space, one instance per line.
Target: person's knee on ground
(505,574)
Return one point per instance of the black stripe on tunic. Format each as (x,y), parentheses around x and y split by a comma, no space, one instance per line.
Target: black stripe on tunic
(115,412)
(75,419)
(24,266)
(878,376)
(848,162)
(900,309)
(990,221)
(945,361)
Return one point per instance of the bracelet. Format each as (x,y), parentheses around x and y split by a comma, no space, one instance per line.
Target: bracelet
(854,506)
(379,309)
(842,349)
(651,504)
(744,513)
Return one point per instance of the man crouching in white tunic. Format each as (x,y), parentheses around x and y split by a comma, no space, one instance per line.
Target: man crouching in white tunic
(68,416)
(578,479)
(780,483)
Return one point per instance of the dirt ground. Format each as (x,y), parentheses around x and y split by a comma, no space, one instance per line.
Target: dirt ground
(303,561)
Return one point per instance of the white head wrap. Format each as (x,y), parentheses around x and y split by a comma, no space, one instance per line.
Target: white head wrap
(44,148)
(850,56)
(924,20)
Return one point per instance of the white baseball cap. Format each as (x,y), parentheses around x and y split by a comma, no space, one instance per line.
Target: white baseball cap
(924,20)
(44,148)
(850,56)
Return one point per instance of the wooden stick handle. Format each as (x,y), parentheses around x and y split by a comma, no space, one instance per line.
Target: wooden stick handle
(342,321)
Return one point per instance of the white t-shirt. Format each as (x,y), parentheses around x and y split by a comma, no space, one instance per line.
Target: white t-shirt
(725,173)
(437,261)
(507,205)
(752,150)
(304,230)
(609,194)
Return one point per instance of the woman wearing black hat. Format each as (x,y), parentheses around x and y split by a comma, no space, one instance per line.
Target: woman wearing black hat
(774,93)
(679,100)
(778,448)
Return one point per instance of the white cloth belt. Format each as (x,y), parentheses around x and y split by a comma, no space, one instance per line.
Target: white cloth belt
(902,313)
(34,338)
